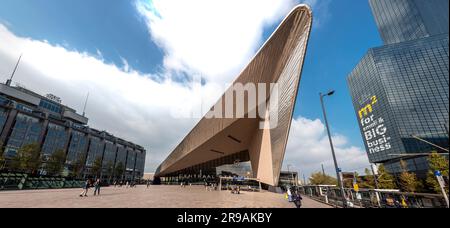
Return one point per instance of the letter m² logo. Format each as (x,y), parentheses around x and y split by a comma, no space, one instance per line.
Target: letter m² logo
(368,108)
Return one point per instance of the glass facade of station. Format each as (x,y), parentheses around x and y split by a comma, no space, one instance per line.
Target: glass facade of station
(401,89)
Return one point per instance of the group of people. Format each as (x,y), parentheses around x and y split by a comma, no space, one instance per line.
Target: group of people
(128,184)
(210,186)
(97,185)
(236,189)
(183,184)
(391,202)
(88,184)
(293,195)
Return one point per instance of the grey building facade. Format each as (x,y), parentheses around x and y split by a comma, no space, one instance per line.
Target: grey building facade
(405,20)
(401,89)
(29,118)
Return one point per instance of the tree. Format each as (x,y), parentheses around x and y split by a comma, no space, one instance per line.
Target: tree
(369,181)
(96,167)
(78,166)
(55,164)
(437,162)
(28,158)
(348,182)
(119,170)
(408,181)
(109,169)
(385,180)
(319,178)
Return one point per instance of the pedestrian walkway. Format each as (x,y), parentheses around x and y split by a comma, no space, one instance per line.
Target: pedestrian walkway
(153,197)
(310,203)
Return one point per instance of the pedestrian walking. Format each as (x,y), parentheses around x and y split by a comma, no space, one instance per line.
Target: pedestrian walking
(289,193)
(97,187)
(298,199)
(85,188)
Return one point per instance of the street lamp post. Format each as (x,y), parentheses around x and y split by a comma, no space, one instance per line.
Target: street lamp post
(341,186)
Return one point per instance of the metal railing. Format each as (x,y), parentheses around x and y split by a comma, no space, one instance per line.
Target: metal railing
(18,181)
(373,198)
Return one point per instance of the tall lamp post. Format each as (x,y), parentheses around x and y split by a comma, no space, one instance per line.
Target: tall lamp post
(341,185)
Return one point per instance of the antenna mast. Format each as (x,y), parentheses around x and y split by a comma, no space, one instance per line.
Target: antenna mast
(85,104)
(8,82)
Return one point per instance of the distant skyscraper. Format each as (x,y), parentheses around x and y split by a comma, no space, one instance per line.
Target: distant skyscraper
(402,88)
(405,20)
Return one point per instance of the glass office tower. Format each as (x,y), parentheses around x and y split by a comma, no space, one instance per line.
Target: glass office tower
(400,90)
(405,20)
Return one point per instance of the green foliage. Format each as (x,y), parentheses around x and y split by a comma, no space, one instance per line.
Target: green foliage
(320,179)
(408,181)
(96,167)
(55,164)
(27,159)
(385,180)
(119,170)
(368,182)
(437,162)
(109,169)
(78,166)
(348,182)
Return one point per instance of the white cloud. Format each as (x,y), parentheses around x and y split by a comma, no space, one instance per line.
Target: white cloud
(308,148)
(320,10)
(213,38)
(122,101)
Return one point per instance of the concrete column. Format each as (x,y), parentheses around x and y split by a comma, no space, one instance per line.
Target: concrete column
(261,155)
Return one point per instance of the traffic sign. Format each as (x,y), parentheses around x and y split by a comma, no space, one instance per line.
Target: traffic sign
(437,173)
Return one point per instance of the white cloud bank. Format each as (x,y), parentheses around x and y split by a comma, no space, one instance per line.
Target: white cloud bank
(212,38)
(126,103)
(198,37)
(308,147)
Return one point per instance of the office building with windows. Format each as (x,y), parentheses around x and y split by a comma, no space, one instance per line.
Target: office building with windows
(29,118)
(400,91)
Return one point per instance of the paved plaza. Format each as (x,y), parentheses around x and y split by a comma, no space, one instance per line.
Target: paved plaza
(153,197)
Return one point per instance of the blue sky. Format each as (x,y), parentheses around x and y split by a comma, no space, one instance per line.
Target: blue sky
(113,28)
(117,34)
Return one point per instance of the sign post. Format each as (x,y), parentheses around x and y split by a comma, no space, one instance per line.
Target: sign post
(442,185)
